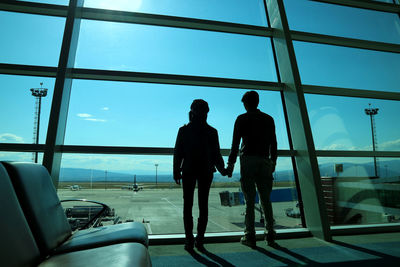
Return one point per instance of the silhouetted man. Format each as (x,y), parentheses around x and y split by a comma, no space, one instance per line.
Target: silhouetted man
(196,154)
(258,154)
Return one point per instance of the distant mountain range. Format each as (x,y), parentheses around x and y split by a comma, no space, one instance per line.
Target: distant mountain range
(386,169)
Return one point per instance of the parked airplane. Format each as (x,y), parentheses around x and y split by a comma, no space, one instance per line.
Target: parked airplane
(134,187)
(74,187)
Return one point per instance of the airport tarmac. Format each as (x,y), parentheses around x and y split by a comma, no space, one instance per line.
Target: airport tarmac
(161,209)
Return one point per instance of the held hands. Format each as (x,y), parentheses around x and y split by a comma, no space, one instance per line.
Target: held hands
(178,178)
(229,169)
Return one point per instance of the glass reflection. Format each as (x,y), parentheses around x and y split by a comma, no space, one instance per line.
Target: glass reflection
(143,48)
(338,20)
(341,123)
(246,12)
(354,195)
(335,66)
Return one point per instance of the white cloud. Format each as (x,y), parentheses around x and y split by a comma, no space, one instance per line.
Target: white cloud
(10,138)
(93,119)
(84,115)
(105,108)
(393,145)
(89,117)
(390,145)
(342,146)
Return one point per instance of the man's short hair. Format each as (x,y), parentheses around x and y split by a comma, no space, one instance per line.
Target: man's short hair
(251,99)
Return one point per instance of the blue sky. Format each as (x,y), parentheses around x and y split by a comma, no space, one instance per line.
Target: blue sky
(137,114)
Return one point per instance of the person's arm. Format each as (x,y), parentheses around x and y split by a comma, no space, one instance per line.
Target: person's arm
(178,157)
(219,161)
(274,146)
(234,148)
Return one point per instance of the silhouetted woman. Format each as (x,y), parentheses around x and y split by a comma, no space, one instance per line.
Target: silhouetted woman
(196,155)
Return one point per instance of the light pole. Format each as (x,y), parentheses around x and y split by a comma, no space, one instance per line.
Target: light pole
(38,93)
(156,171)
(105,180)
(371,112)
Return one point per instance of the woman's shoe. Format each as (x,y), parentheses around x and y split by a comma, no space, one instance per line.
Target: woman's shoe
(189,245)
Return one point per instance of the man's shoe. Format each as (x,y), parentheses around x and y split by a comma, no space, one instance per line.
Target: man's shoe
(199,243)
(200,246)
(247,241)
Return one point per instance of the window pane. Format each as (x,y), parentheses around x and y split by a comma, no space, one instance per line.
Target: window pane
(111,179)
(30,39)
(352,197)
(20,156)
(341,123)
(18,108)
(149,115)
(237,11)
(54,2)
(328,65)
(331,19)
(129,47)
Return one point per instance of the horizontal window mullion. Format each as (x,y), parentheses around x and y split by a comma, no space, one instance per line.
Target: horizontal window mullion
(109,75)
(34,8)
(326,90)
(27,70)
(372,5)
(344,41)
(346,153)
(13,147)
(173,21)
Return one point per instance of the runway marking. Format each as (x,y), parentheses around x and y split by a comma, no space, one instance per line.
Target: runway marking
(217,224)
(180,209)
(149,228)
(176,207)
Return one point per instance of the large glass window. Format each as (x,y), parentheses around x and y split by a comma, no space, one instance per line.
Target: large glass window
(331,19)
(18,108)
(342,123)
(130,47)
(237,11)
(140,114)
(30,39)
(354,194)
(329,65)
(127,183)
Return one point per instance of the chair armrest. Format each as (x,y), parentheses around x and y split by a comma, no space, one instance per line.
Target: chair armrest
(97,218)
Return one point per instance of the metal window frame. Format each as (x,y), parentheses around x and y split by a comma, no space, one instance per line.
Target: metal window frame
(68,72)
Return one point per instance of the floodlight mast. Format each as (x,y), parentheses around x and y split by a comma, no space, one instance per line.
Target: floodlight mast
(371,112)
(38,93)
(156,171)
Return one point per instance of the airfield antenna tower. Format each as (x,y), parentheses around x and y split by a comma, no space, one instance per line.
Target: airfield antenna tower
(38,93)
(371,112)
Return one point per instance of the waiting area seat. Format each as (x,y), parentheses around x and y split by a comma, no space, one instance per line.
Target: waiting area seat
(35,230)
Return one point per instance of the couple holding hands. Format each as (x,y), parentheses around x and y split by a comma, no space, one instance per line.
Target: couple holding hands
(197,156)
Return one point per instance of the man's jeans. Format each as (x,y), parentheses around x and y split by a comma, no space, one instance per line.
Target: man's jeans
(256,171)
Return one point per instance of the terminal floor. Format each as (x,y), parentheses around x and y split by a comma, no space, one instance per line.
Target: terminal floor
(356,250)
